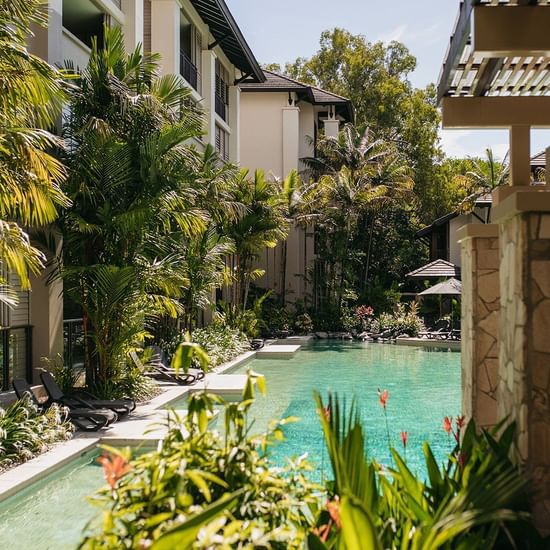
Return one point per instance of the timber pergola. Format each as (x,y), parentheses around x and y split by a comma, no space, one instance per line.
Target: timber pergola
(496,73)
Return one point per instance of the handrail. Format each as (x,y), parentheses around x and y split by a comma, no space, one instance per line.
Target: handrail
(6,353)
(189,70)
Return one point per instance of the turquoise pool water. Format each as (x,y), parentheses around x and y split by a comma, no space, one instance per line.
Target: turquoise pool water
(50,514)
(423,385)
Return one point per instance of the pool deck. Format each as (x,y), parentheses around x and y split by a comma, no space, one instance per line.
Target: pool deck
(147,424)
(277,351)
(453,345)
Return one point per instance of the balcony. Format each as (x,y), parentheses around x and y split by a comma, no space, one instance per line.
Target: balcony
(15,354)
(189,71)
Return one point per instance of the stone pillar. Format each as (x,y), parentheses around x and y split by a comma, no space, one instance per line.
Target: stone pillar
(165,34)
(524,334)
(331,124)
(133,23)
(480,310)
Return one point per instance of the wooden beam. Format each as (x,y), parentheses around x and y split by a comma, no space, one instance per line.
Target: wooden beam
(501,31)
(458,41)
(496,112)
(484,80)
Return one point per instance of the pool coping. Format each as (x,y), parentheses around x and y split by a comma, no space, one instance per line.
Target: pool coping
(23,475)
(453,345)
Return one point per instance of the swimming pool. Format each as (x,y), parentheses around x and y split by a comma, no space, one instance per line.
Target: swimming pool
(423,385)
(51,513)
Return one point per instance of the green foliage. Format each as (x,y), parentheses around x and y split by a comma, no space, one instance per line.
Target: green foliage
(200,489)
(25,432)
(222,343)
(30,100)
(479,499)
(403,320)
(186,353)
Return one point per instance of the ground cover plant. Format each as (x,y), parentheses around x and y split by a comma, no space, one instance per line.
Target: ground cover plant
(200,489)
(26,432)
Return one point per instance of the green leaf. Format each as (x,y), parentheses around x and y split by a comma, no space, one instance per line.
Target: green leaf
(358,530)
(184,535)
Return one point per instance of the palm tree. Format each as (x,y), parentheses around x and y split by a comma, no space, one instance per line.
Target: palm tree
(262,226)
(132,181)
(362,174)
(484,177)
(31,97)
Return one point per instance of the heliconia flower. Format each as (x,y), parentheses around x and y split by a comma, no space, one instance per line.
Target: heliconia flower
(114,467)
(383,397)
(404,439)
(460,422)
(333,508)
(447,424)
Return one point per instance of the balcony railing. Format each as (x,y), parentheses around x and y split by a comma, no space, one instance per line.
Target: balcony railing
(15,354)
(73,342)
(189,71)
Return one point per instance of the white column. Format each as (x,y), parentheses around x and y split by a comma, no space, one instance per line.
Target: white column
(234,118)
(291,139)
(47,42)
(165,34)
(133,23)
(520,155)
(209,92)
(331,124)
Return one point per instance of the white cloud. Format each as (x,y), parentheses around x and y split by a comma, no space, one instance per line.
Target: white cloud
(473,143)
(397,33)
(454,142)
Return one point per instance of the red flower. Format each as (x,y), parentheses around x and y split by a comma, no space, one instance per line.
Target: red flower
(448,425)
(114,467)
(334,511)
(383,397)
(460,422)
(404,439)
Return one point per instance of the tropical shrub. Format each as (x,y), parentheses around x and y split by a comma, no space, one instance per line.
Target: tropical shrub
(25,432)
(199,489)
(478,499)
(303,323)
(222,343)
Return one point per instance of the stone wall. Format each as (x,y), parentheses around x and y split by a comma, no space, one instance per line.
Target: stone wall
(524,345)
(480,310)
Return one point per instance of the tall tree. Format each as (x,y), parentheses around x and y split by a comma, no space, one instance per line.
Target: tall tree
(132,184)
(31,97)
(375,77)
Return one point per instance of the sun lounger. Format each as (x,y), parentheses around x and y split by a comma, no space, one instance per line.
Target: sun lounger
(160,360)
(84,399)
(83,418)
(156,371)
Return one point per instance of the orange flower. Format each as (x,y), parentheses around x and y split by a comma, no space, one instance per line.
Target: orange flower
(383,397)
(326,412)
(334,511)
(114,467)
(448,425)
(404,439)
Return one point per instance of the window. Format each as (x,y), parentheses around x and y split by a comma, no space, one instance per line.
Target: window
(222,143)
(190,53)
(222,91)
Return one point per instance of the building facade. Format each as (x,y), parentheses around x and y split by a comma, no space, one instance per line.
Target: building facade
(281,120)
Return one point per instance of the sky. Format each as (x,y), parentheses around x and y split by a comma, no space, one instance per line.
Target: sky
(282,30)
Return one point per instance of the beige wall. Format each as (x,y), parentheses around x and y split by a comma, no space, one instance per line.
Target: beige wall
(262,131)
